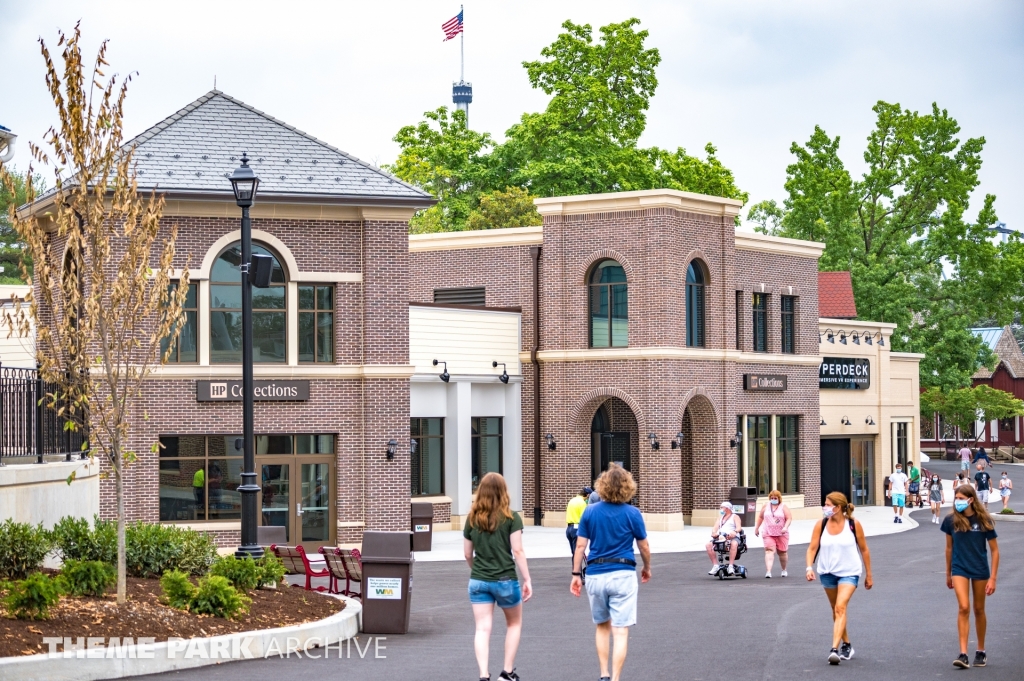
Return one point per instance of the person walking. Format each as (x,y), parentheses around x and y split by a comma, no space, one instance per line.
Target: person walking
(914,488)
(965,458)
(573,512)
(727,528)
(936,497)
(493,546)
(1005,489)
(835,541)
(983,484)
(776,518)
(968,528)
(609,529)
(982,454)
(898,493)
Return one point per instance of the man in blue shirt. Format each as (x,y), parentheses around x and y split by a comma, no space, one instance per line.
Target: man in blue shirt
(609,528)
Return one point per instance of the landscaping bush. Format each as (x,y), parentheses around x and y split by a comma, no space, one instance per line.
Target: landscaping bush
(22,548)
(1007,511)
(178,590)
(88,577)
(216,596)
(198,551)
(151,549)
(75,539)
(271,569)
(32,597)
(243,573)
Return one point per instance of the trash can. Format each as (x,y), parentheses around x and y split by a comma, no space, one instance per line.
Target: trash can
(885,492)
(422,525)
(744,504)
(951,451)
(387,582)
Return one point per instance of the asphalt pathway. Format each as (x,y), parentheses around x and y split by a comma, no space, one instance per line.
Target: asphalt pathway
(698,628)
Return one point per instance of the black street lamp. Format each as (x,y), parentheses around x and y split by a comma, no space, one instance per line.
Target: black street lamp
(244,184)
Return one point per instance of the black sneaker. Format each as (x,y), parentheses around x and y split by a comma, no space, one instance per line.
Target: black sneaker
(962,662)
(895,519)
(508,676)
(833,656)
(980,659)
(846,651)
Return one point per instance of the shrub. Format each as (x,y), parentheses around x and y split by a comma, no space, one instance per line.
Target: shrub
(198,551)
(271,569)
(22,548)
(243,573)
(1007,511)
(151,549)
(178,590)
(88,577)
(76,540)
(32,598)
(216,596)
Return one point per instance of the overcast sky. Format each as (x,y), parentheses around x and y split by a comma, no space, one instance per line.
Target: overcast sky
(750,76)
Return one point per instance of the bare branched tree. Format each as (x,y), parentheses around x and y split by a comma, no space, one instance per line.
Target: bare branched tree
(103,292)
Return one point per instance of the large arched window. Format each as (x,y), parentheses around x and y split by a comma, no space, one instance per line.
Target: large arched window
(269,314)
(609,306)
(695,305)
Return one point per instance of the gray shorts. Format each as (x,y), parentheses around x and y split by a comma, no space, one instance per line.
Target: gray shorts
(613,597)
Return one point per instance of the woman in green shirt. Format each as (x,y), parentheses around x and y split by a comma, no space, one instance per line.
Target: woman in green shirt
(494,547)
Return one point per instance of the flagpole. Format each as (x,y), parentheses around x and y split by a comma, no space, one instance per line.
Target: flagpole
(462,48)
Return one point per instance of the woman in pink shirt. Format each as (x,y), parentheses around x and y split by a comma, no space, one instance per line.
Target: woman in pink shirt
(776,518)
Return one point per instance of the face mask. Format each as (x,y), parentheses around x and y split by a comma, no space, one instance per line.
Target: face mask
(899,470)
(775,502)
(721,511)
(935,478)
(828,511)
(961,504)
(1004,477)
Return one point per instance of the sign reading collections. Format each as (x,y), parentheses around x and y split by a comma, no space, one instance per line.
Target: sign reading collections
(844,373)
(262,391)
(764,382)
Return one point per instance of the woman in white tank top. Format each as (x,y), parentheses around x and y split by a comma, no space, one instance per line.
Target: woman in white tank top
(838,545)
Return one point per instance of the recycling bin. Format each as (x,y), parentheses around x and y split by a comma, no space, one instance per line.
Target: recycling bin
(744,504)
(422,525)
(387,582)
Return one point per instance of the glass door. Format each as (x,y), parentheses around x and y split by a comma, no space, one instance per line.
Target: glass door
(276,508)
(297,496)
(862,456)
(314,509)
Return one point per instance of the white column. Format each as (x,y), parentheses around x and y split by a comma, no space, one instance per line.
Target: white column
(204,323)
(458,448)
(512,447)
(292,322)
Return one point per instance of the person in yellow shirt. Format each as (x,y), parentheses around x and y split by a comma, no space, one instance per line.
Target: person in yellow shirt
(573,513)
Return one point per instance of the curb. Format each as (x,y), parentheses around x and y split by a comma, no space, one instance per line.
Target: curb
(155,658)
(1016,518)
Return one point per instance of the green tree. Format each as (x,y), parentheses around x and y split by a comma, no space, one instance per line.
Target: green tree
(510,208)
(11,251)
(900,230)
(962,407)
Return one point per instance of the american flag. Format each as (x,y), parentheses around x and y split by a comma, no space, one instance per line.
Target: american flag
(452,27)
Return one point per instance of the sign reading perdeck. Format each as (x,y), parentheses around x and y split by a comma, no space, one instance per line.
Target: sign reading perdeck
(844,373)
(262,391)
(386,588)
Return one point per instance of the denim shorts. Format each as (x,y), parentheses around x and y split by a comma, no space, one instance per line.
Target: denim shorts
(830,581)
(505,593)
(613,597)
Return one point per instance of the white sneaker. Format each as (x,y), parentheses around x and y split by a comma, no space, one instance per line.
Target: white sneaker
(768,576)
(784,574)
(713,570)
(731,570)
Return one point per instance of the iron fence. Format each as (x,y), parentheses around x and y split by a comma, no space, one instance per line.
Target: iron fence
(29,424)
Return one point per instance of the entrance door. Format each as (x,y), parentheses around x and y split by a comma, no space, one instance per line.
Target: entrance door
(607,448)
(862,465)
(297,496)
(835,467)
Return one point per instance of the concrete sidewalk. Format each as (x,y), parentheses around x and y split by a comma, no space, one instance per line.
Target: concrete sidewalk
(550,542)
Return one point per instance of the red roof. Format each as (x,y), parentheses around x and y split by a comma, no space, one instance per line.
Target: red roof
(835,296)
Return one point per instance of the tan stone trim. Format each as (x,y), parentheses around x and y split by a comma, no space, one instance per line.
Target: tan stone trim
(387,213)
(639,200)
(282,371)
(441,499)
(660,353)
(209,526)
(480,238)
(350,523)
(843,324)
(283,211)
(752,241)
(287,260)
(663,522)
(914,357)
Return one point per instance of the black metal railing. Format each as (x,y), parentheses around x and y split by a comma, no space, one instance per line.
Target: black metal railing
(29,424)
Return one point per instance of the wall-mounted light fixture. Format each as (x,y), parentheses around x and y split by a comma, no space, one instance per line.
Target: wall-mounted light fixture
(412,447)
(736,439)
(391,449)
(842,337)
(881,339)
(823,422)
(551,441)
(829,337)
(856,338)
(654,441)
(445,376)
(870,421)
(677,441)
(845,421)
(504,374)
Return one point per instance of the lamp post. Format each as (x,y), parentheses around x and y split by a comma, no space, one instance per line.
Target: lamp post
(244,184)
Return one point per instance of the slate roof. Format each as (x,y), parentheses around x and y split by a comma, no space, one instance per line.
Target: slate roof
(194,150)
(1001,342)
(835,296)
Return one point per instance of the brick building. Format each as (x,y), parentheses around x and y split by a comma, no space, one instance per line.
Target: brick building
(666,341)
(331,336)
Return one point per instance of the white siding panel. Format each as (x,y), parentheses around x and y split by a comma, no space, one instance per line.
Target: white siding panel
(488,400)
(428,400)
(469,340)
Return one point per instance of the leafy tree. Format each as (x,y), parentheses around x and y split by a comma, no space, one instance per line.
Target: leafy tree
(11,252)
(962,407)
(767,215)
(900,230)
(102,310)
(510,208)
(679,170)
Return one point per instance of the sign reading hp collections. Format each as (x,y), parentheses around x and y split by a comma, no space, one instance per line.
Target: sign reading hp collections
(265,391)
(844,373)
(764,382)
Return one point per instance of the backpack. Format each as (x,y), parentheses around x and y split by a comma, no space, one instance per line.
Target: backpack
(853,528)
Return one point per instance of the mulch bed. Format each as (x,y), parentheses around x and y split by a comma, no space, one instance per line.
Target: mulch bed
(144,616)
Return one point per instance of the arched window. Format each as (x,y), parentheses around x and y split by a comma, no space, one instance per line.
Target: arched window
(609,306)
(695,305)
(269,314)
